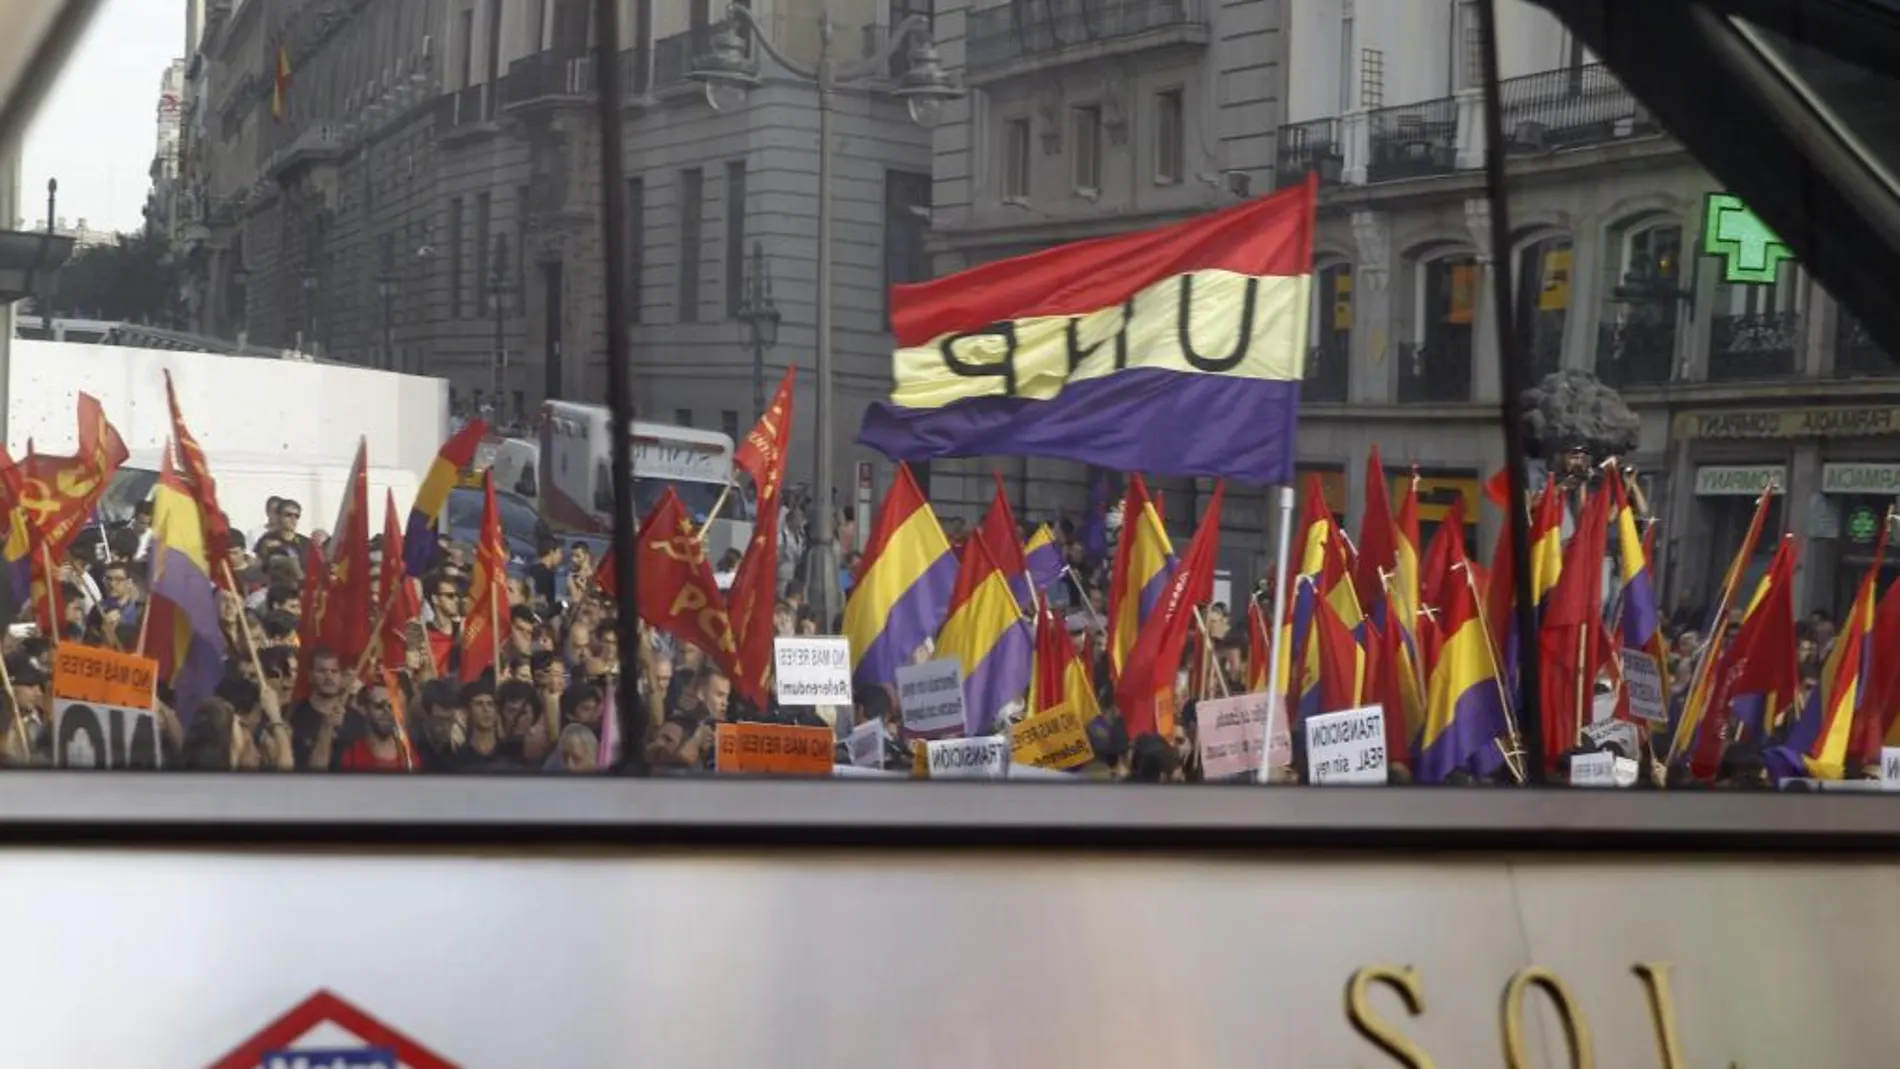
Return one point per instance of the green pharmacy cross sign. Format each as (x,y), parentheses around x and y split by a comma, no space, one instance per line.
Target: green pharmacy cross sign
(1862,524)
(1751,253)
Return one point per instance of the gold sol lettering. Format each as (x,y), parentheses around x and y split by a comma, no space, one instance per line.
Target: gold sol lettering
(1576,1030)
(1375,1028)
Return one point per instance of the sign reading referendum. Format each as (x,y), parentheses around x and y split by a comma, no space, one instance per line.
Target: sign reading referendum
(813,671)
(1054,738)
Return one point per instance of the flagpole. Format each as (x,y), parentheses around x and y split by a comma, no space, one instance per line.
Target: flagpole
(145,617)
(718,505)
(19,717)
(1276,682)
(52,594)
(244,628)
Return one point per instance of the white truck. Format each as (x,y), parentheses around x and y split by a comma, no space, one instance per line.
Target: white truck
(269,427)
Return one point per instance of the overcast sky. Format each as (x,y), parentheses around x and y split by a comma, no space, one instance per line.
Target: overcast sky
(98,130)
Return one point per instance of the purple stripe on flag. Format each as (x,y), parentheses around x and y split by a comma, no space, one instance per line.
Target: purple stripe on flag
(1468,742)
(1045,566)
(1639,612)
(182,583)
(418,545)
(1000,678)
(913,620)
(1139,419)
(1155,587)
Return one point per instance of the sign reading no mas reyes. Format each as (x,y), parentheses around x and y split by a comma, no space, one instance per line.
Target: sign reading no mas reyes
(104,706)
(813,671)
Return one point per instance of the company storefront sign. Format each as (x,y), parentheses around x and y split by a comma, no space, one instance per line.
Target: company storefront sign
(1880,479)
(1738,480)
(1834,421)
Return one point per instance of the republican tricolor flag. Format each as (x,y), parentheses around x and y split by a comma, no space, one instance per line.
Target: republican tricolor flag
(1176,350)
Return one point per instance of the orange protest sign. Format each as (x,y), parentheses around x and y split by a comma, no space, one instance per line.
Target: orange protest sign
(103,677)
(775,750)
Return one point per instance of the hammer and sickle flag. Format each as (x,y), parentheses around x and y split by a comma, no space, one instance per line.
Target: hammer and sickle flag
(677,592)
(1177,350)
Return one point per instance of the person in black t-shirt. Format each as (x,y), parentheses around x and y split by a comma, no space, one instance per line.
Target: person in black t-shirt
(325,724)
(486,748)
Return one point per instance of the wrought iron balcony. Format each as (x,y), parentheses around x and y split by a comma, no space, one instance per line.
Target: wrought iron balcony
(673,57)
(1636,353)
(1019,30)
(1756,345)
(1328,370)
(548,77)
(1310,146)
(1857,354)
(1570,107)
(1412,140)
(1439,370)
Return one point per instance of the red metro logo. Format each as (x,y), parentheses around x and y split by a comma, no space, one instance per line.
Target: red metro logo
(325,1032)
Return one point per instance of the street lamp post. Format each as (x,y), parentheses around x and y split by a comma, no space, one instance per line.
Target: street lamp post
(760,315)
(498,290)
(728,72)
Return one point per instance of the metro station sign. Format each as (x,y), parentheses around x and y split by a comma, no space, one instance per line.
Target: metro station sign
(325,1032)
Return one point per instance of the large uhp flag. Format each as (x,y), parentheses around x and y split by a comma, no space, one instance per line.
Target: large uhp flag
(1177,350)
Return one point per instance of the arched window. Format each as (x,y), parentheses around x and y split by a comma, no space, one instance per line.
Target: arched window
(1543,296)
(1643,288)
(1436,363)
(1329,335)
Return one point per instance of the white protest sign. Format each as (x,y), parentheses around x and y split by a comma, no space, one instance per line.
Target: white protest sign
(1620,733)
(1346,747)
(1230,733)
(866,744)
(1626,771)
(813,671)
(1603,707)
(1593,770)
(930,695)
(1890,768)
(984,758)
(1642,681)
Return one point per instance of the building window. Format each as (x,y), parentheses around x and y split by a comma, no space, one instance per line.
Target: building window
(1087,121)
(494,59)
(906,226)
(735,237)
(484,271)
(1467,47)
(455,258)
(636,246)
(1346,46)
(1329,336)
(1016,160)
(465,46)
(683,416)
(1642,288)
(1170,137)
(692,205)
(1437,366)
(729,423)
(1543,295)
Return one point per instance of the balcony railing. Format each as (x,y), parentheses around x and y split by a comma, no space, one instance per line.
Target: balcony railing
(1021,29)
(1328,370)
(1567,108)
(1310,146)
(1636,353)
(1755,345)
(1438,370)
(1857,354)
(673,56)
(548,76)
(1412,140)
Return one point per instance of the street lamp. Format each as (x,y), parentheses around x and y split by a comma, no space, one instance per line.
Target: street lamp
(386,290)
(728,73)
(760,315)
(498,291)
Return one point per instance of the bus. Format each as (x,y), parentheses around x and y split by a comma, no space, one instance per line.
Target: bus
(576,481)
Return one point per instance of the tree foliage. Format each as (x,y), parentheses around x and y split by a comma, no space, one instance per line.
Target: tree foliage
(132,279)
